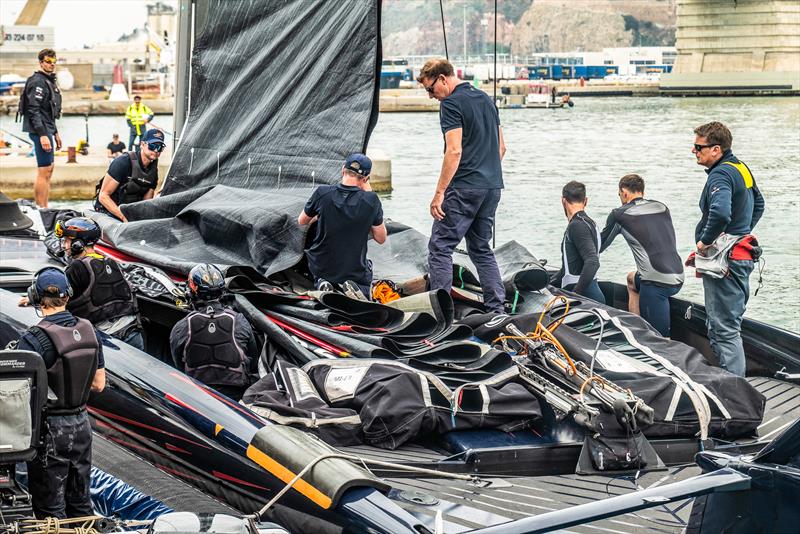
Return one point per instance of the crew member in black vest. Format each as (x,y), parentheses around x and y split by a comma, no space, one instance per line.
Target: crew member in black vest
(101,293)
(131,177)
(214,344)
(58,478)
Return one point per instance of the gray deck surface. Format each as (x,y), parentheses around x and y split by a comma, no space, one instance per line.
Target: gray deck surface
(518,497)
(148,479)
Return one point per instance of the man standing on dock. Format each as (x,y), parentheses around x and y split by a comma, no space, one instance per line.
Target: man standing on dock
(470,181)
(137,115)
(731,206)
(40,106)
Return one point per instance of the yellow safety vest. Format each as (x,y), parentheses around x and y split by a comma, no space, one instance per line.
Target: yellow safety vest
(138,115)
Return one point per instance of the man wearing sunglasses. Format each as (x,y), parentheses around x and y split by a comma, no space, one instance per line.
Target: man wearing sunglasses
(470,181)
(731,205)
(131,177)
(40,106)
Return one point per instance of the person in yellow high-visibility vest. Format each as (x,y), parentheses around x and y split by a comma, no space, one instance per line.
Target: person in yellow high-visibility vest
(137,115)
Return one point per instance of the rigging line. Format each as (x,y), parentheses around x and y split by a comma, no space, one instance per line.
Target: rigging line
(494,99)
(444,31)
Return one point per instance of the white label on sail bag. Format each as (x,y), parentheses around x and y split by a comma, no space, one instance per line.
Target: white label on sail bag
(302,386)
(611,360)
(342,383)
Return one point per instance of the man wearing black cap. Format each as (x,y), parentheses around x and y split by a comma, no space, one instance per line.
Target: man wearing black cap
(58,478)
(131,177)
(346,215)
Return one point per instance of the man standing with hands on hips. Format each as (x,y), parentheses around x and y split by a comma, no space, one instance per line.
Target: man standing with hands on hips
(731,206)
(470,181)
(40,106)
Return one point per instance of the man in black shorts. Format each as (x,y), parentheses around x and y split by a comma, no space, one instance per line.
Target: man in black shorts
(40,106)
(131,177)
(470,181)
(347,214)
(647,227)
(580,246)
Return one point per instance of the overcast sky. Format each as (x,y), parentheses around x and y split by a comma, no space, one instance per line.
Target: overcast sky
(79,22)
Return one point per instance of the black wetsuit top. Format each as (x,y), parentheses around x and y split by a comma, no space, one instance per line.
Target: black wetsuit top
(579,251)
(647,227)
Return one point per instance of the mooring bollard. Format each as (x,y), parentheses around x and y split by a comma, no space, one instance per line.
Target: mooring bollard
(71,155)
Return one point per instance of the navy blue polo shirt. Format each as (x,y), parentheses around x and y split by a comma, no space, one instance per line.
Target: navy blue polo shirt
(346,216)
(474,112)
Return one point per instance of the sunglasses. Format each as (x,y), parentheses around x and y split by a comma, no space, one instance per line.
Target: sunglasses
(50,60)
(155,147)
(429,88)
(698,148)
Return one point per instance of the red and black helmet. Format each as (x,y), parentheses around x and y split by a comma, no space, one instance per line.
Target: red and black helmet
(82,230)
(206,282)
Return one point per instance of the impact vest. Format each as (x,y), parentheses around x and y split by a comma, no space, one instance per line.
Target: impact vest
(71,376)
(570,278)
(108,294)
(211,353)
(140,182)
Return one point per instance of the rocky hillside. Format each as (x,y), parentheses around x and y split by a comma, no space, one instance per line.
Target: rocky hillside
(525,26)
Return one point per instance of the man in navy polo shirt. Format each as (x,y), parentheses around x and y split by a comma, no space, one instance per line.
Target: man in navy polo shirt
(346,214)
(470,181)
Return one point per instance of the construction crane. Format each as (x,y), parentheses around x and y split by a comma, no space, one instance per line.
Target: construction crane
(31,13)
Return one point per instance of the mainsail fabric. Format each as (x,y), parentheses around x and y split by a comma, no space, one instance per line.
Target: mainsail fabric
(281,93)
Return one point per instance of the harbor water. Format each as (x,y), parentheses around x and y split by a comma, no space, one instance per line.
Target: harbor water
(597,142)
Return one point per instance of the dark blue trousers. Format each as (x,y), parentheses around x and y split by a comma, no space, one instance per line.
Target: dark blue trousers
(469,214)
(654,303)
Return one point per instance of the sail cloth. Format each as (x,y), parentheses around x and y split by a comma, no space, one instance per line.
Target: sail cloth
(280,91)
(280,94)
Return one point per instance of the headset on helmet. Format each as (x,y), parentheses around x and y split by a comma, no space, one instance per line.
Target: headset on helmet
(82,230)
(206,282)
(35,296)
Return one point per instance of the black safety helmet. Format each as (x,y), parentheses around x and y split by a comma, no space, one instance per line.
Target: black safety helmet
(82,230)
(206,282)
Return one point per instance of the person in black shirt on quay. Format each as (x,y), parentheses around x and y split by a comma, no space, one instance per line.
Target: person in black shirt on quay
(346,215)
(115,147)
(580,247)
(131,177)
(58,478)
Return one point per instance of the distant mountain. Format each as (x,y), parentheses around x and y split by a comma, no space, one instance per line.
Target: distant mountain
(590,25)
(412,27)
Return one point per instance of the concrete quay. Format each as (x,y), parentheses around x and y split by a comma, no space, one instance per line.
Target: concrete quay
(77,181)
(70,181)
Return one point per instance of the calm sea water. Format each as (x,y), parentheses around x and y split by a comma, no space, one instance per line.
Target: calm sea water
(597,142)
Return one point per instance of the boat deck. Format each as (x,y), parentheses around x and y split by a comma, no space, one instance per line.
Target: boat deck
(509,498)
(149,480)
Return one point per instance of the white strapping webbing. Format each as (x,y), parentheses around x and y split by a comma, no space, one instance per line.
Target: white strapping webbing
(696,394)
(673,404)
